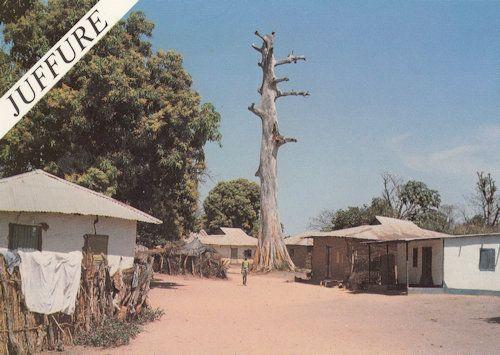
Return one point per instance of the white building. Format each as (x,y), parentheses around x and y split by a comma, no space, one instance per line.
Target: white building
(466,264)
(423,264)
(41,211)
(231,243)
(471,264)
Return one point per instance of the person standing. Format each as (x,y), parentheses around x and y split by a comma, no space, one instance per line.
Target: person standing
(245,266)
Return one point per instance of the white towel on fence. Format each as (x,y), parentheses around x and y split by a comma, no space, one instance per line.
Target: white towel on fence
(50,280)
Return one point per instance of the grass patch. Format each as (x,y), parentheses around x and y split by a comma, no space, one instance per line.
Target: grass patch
(113,332)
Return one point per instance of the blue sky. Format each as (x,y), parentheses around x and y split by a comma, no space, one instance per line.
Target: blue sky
(407,87)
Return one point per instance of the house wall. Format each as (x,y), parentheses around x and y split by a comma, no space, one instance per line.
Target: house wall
(65,234)
(340,250)
(225,252)
(461,263)
(414,273)
(301,255)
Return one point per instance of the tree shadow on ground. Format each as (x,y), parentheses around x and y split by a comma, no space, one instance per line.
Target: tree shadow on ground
(380,293)
(164,284)
(493,320)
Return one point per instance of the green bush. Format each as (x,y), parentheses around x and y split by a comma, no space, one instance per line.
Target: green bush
(148,315)
(113,332)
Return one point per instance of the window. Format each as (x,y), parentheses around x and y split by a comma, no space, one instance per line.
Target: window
(25,237)
(248,253)
(234,253)
(415,257)
(487,259)
(97,245)
(291,252)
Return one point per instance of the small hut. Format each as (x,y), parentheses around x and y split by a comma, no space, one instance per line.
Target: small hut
(377,254)
(191,257)
(232,244)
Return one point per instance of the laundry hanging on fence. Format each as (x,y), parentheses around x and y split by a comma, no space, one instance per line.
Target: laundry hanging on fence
(12,259)
(50,280)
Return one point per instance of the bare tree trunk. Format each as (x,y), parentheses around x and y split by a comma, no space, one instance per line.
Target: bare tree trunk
(487,198)
(271,252)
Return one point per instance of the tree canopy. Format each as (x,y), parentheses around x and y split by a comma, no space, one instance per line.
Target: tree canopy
(124,121)
(411,200)
(233,203)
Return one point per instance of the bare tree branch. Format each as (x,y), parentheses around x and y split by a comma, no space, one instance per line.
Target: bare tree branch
(487,198)
(280,140)
(290,59)
(260,36)
(252,108)
(392,194)
(280,80)
(257,173)
(257,48)
(292,93)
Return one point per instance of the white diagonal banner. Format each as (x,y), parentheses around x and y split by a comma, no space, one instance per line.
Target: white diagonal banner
(59,59)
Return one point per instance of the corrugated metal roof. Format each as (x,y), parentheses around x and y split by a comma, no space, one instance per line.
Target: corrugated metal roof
(299,240)
(38,191)
(389,229)
(230,236)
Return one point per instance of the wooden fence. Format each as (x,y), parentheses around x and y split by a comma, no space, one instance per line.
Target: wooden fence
(100,296)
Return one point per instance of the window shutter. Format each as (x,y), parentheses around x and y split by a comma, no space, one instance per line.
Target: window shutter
(25,237)
(487,259)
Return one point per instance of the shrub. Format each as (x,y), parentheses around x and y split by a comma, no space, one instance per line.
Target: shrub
(148,315)
(113,332)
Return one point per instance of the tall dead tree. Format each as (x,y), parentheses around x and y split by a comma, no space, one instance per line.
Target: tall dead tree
(271,252)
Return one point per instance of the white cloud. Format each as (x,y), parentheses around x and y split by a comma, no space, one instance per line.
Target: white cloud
(479,152)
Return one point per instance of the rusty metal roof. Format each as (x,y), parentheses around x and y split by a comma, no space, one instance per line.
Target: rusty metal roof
(299,240)
(39,191)
(389,229)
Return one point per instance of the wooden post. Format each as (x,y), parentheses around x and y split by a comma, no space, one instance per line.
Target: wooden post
(407,279)
(369,263)
(442,265)
(387,261)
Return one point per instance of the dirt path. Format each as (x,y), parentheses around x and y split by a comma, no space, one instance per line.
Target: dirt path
(274,315)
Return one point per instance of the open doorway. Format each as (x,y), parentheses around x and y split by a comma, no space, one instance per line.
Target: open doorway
(426,276)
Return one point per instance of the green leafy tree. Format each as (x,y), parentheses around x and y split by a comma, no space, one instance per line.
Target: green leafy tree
(411,200)
(124,121)
(13,9)
(351,216)
(407,200)
(439,220)
(233,203)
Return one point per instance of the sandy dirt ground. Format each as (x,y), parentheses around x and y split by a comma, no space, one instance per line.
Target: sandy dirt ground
(273,315)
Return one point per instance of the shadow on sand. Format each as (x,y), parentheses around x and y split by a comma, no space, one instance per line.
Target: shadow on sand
(493,320)
(164,284)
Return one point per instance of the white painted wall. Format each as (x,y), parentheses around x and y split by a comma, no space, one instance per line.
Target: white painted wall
(66,233)
(461,263)
(414,273)
(225,252)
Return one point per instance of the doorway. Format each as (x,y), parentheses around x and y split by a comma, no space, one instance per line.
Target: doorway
(329,255)
(426,277)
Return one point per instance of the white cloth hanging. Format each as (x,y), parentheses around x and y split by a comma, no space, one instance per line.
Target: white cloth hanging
(50,280)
